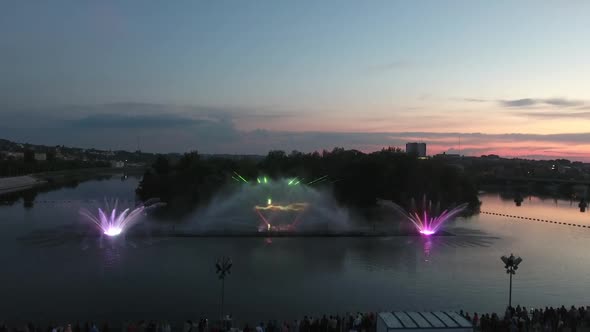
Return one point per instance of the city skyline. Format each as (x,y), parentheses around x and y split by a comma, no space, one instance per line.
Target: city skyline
(504,78)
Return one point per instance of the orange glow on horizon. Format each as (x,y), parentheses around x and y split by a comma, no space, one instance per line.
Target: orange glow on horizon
(438,123)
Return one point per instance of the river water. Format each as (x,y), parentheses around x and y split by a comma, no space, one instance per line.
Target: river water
(50,272)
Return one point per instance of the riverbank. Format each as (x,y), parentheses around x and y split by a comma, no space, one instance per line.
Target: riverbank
(25,182)
(83,173)
(17,183)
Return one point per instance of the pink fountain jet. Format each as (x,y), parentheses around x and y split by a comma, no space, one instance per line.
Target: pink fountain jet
(112,222)
(427,220)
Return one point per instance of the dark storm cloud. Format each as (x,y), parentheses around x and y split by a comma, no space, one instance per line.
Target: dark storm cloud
(134,121)
(525,102)
(563,102)
(264,115)
(160,127)
(475,100)
(536,107)
(530,102)
(533,102)
(508,137)
(175,112)
(165,115)
(554,115)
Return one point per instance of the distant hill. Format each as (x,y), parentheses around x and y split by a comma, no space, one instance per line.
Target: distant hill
(76,153)
(233,156)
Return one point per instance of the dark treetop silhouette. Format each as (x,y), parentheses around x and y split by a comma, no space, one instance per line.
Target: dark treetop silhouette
(356,179)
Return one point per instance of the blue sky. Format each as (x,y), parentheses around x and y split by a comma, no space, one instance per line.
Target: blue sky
(337,68)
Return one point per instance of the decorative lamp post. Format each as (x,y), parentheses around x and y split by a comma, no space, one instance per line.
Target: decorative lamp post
(511,265)
(223,267)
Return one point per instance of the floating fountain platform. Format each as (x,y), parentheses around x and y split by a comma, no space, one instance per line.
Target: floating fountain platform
(289,234)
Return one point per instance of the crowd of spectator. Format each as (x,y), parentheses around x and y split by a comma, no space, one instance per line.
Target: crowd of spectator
(361,322)
(514,319)
(141,326)
(521,319)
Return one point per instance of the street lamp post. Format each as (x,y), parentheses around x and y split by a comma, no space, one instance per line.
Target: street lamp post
(511,265)
(223,267)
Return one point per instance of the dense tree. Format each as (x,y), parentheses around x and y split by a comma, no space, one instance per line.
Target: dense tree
(356,179)
(162,165)
(29,156)
(51,156)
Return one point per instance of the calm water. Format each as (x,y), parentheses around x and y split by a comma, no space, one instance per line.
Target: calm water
(50,271)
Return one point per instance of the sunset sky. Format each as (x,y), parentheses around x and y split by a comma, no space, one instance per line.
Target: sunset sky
(504,77)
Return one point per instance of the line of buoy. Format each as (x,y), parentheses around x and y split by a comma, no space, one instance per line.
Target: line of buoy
(533,219)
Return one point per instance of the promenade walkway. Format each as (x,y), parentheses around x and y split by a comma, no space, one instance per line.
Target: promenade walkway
(16,183)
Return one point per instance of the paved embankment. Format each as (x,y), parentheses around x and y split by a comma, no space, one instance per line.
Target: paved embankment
(17,183)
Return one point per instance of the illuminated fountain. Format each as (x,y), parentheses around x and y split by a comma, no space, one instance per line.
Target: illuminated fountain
(113,221)
(268,215)
(281,217)
(428,219)
(271,204)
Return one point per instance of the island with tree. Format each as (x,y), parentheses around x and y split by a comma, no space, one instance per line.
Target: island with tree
(356,179)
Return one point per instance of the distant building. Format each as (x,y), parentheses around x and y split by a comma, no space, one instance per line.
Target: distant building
(9,155)
(448,156)
(491,156)
(439,321)
(418,149)
(40,156)
(117,164)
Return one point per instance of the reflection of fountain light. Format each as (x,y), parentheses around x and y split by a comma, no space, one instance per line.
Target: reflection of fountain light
(112,257)
(113,231)
(426,232)
(427,248)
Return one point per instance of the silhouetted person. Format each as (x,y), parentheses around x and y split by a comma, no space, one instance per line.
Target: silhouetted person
(188,325)
(573,319)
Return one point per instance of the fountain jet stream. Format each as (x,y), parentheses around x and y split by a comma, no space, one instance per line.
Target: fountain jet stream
(428,220)
(112,224)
